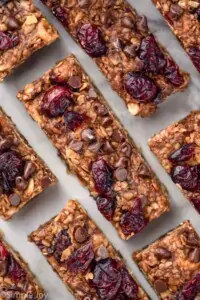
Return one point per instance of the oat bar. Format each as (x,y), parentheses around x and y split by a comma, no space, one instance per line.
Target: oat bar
(178,149)
(83,257)
(172,264)
(23,30)
(95,146)
(183,17)
(23,175)
(16,279)
(112,33)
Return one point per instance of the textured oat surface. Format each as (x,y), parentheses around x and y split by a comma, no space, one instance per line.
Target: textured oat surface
(171,261)
(81,230)
(32,30)
(110,17)
(111,142)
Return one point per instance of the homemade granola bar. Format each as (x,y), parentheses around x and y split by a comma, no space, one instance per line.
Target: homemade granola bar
(95,146)
(178,149)
(16,280)
(183,16)
(119,41)
(84,258)
(23,175)
(172,264)
(23,30)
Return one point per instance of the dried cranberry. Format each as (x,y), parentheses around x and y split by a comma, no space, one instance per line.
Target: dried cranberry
(107,278)
(133,221)
(129,287)
(15,271)
(73,119)
(182,154)
(91,40)
(62,242)
(172,73)
(3,252)
(103,176)
(106,206)
(11,166)
(194,53)
(60,13)
(196,203)
(81,259)
(151,55)
(140,87)
(55,101)
(8,40)
(190,289)
(187,176)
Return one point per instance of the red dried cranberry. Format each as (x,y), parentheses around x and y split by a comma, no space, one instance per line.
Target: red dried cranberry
(11,166)
(3,252)
(91,40)
(73,119)
(55,101)
(194,53)
(81,259)
(133,221)
(182,154)
(106,206)
(15,270)
(62,242)
(140,87)
(151,55)
(187,176)
(60,13)
(8,40)
(196,203)
(172,73)
(190,289)
(129,287)
(103,176)
(107,278)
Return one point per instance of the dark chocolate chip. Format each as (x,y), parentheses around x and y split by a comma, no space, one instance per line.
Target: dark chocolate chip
(107,18)
(121,174)
(192,239)
(94,147)
(126,149)
(92,93)
(160,286)
(6,144)
(3,267)
(176,11)
(76,145)
(130,50)
(84,3)
(14,199)
(102,252)
(144,171)
(107,121)
(162,252)
(88,135)
(29,169)
(75,82)
(142,25)
(21,184)
(128,22)
(194,255)
(3,2)
(46,181)
(107,147)
(101,109)
(117,136)
(81,234)
(122,162)
(12,23)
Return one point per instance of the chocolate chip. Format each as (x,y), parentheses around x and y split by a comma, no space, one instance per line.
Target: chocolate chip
(121,174)
(88,135)
(12,23)
(142,25)
(76,145)
(126,149)
(107,18)
(29,169)
(176,11)
(144,171)
(107,121)
(117,44)
(160,286)
(122,162)
(92,93)
(3,267)
(75,82)
(101,109)
(192,239)
(94,147)
(81,234)
(3,2)
(102,252)
(107,147)
(130,50)
(21,184)
(84,3)
(194,255)
(128,22)
(46,181)
(6,144)
(162,252)
(14,199)
(117,136)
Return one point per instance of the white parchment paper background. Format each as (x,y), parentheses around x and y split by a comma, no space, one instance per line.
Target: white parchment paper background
(52,201)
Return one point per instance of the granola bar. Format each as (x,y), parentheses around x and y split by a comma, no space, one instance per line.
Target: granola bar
(178,149)
(23,175)
(183,17)
(84,258)
(118,39)
(172,264)
(16,279)
(95,146)
(23,30)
